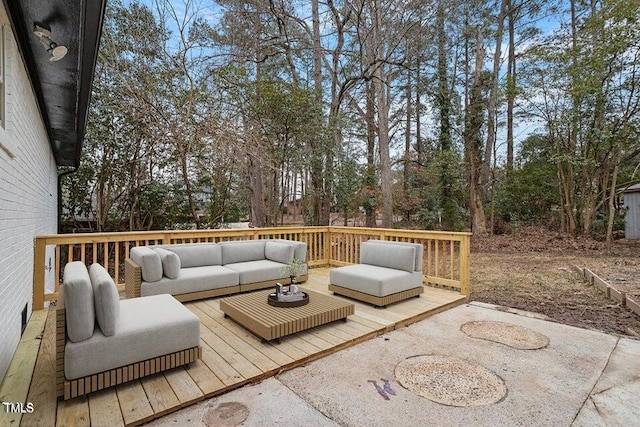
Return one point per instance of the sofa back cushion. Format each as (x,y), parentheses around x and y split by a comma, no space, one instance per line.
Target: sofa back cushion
(78,301)
(418,246)
(149,261)
(242,251)
(106,299)
(400,257)
(170,262)
(278,252)
(299,248)
(197,254)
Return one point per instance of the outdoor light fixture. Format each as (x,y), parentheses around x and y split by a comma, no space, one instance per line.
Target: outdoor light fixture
(44,34)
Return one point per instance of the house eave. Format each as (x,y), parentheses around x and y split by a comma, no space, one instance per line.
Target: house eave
(63,88)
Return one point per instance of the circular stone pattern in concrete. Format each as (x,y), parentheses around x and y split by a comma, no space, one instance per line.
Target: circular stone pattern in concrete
(230,414)
(505,333)
(450,381)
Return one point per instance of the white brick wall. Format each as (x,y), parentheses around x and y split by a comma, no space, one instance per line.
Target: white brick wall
(28,195)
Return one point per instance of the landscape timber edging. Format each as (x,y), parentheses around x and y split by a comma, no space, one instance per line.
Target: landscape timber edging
(633,305)
(610,291)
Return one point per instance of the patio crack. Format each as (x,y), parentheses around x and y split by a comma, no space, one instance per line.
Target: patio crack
(324,414)
(595,384)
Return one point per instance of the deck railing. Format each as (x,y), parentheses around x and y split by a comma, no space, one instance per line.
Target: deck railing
(445,261)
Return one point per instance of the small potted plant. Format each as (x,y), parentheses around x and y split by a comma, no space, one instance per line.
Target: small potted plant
(295,268)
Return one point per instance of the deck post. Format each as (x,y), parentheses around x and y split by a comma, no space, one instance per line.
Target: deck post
(38,273)
(465,254)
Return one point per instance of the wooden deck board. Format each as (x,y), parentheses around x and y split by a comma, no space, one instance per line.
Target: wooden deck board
(302,345)
(224,371)
(104,408)
(134,404)
(208,382)
(15,386)
(324,333)
(160,394)
(73,413)
(184,387)
(42,393)
(315,340)
(236,359)
(231,357)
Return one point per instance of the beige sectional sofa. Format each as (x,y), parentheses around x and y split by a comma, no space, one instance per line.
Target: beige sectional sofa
(388,272)
(201,270)
(102,341)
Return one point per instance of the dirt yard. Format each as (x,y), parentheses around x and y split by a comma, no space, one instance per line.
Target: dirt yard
(534,271)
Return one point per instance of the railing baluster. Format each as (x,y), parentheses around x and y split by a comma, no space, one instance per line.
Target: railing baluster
(444,259)
(451,261)
(57,268)
(116,264)
(105,254)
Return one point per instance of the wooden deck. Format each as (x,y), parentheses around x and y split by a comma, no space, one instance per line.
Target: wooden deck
(232,357)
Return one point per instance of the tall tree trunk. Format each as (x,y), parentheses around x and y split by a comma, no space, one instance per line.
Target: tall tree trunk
(443,100)
(317,171)
(407,140)
(612,199)
(257,195)
(443,104)
(370,177)
(511,84)
(594,167)
(322,155)
(492,107)
(317,51)
(187,184)
(568,183)
(294,191)
(379,81)
(418,112)
(473,143)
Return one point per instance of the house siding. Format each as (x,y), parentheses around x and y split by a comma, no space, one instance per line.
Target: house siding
(28,194)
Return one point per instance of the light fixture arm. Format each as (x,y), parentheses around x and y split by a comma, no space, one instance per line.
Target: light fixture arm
(56,51)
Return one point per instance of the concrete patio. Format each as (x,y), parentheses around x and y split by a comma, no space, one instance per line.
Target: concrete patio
(582,378)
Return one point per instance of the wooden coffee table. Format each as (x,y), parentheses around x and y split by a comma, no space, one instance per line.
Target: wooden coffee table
(252,311)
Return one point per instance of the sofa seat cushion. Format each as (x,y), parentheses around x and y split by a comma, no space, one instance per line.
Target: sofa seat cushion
(374,280)
(147,328)
(194,279)
(258,271)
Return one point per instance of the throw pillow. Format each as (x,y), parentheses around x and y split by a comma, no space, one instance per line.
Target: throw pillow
(170,262)
(149,261)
